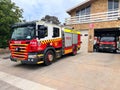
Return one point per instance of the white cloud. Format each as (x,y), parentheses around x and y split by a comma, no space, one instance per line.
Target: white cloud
(36,9)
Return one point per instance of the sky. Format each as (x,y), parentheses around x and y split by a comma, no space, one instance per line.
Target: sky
(36,9)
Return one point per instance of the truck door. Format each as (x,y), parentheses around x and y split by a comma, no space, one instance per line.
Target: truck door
(68,39)
(68,43)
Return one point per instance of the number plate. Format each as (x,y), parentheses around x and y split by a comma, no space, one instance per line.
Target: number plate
(106,47)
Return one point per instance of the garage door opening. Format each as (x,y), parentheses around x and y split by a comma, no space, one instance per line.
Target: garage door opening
(106,40)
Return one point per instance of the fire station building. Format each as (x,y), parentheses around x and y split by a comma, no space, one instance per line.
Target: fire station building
(94,17)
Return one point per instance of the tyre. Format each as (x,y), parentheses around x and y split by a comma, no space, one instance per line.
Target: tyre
(74,51)
(49,57)
(114,51)
(97,50)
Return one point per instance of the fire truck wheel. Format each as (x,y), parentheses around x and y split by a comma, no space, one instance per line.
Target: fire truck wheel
(74,51)
(114,51)
(49,57)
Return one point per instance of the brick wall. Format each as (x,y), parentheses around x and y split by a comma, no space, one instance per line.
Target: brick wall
(99,6)
(110,24)
(96,7)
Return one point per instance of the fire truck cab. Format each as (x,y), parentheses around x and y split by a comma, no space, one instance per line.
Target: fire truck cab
(39,42)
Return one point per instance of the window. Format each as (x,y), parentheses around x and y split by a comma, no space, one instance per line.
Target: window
(23,33)
(84,11)
(109,39)
(42,31)
(56,32)
(77,13)
(113,5)
(88,10)
(84,14)
(85,34)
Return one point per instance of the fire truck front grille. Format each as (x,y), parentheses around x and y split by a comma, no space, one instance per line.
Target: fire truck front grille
(19,51)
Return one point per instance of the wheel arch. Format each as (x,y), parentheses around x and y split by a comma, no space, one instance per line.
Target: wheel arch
(50,48)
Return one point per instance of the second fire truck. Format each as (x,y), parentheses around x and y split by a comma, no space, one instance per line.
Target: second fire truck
(40,42)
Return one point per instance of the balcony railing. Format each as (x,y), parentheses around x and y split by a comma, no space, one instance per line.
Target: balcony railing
(98,17)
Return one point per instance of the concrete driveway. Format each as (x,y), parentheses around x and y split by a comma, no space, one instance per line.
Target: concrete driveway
(85,71)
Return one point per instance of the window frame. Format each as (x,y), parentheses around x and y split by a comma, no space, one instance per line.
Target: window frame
(56,32)
(79,12)
(113,5)
(43,31)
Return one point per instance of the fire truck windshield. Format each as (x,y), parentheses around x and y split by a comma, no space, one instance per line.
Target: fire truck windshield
(108,39)
(23,33)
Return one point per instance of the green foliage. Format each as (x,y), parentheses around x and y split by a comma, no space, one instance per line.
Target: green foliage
(9,14)
(52,19)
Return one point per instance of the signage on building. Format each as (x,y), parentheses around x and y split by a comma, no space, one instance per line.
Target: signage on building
(91,26)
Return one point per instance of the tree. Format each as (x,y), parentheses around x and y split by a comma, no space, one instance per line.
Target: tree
(52,19)
(9,14)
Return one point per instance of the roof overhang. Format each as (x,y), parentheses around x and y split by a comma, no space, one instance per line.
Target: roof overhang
(81,5)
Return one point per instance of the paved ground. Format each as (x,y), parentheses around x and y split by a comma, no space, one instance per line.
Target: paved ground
(85,71)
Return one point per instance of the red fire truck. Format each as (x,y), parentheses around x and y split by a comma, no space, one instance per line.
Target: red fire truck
(108,43)
(39,42)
